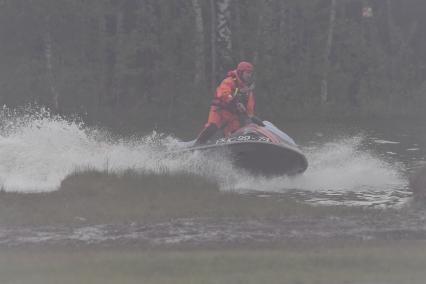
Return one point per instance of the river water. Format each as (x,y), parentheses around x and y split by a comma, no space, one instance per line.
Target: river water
(351,163)
(359,163)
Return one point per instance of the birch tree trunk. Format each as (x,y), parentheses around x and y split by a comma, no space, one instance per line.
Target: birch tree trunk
(224,34)
(284,25)
(48,55)
(264,44)
(259,36)
(390,27)
(199,44)
(237,32)
(119,65)
(112,40)
(327,52)
(213,45)
(109,60)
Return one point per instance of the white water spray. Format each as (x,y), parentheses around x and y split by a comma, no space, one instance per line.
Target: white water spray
(339,166)
(39,150)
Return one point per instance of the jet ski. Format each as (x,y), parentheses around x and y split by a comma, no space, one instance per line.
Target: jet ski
(258,147)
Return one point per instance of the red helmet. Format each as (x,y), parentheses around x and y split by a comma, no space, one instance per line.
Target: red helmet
(245,66)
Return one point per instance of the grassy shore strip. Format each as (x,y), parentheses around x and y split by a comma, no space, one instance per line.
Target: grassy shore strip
(93,197)
(357,263)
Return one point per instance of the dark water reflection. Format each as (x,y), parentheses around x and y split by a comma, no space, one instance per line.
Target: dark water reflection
(357,163)
(352,163)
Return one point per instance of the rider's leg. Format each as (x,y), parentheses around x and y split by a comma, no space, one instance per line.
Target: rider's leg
(206,133)
(233,124)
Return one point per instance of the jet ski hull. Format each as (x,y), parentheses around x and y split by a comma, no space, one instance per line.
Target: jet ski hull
(267,159)
(259,150)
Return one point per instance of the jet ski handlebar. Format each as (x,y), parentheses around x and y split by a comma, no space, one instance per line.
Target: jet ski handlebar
(257,120)
(251,119)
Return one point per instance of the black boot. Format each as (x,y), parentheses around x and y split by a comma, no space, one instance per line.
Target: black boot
(206,134)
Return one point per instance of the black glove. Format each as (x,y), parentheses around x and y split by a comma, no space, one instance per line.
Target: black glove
(257,121)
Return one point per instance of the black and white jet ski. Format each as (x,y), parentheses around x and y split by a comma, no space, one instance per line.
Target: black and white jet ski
(260,148)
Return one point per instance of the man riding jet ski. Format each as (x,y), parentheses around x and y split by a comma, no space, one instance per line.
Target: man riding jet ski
(254,145)
(233,97)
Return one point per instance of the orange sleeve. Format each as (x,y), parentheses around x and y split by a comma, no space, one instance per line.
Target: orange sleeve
(224,91)
(250,104)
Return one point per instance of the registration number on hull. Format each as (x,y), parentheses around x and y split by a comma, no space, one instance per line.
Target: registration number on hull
(243,138)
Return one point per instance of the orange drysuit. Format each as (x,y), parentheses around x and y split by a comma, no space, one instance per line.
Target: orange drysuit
(223,110)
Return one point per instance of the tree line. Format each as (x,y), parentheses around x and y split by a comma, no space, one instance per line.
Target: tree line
(161,59)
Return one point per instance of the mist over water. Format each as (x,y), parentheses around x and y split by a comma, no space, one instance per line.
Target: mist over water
(340,166)
(38,150)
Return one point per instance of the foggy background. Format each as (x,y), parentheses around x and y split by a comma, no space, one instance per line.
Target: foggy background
(94,94)
(154,63)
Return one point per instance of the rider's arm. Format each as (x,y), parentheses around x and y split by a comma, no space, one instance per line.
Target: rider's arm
(250,104)
(224,91)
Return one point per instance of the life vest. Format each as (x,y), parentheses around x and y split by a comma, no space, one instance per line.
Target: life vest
(238,96)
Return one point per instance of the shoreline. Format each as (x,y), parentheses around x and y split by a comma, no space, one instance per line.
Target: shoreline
(354,262)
